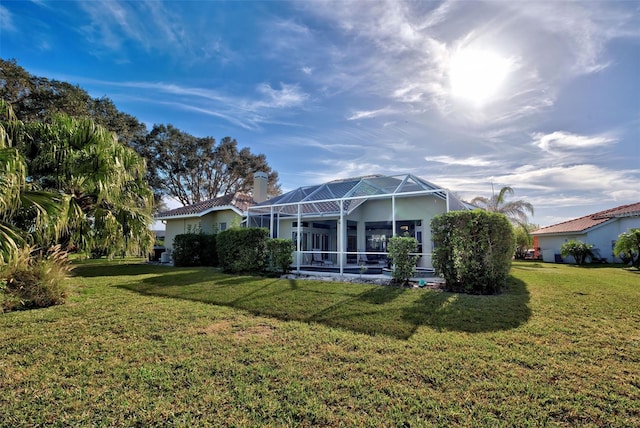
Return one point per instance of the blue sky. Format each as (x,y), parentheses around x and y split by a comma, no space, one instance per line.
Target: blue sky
(541,96)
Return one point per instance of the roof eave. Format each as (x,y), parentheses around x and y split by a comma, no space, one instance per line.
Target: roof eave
(577,232)
(203,213)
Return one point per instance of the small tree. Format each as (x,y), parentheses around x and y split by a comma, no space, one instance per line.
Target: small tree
(404,263)
(628,247)
(280,254)
(523,241)
(576,249)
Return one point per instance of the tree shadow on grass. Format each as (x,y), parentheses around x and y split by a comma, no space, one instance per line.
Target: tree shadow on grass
(92,270)
(399,312)
(470,313)
(373,310)
(381,295)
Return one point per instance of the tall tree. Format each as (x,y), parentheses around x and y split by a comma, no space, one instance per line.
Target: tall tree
(35,98)
(516,211)
(180,165)
(192,169)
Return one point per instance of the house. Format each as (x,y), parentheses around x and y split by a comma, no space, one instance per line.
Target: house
(213,215)
(344,224)
(600,229)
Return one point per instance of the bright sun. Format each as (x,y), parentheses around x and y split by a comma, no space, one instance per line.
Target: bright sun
(476,75)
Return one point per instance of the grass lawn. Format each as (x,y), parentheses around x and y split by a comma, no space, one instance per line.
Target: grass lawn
(138,344)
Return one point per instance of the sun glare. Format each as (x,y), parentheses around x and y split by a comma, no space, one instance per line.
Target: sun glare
(476,75)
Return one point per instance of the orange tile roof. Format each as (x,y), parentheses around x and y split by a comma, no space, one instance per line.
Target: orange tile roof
(587,222)
(241,201)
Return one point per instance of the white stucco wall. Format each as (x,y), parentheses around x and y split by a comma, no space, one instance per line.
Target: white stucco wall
(550,245)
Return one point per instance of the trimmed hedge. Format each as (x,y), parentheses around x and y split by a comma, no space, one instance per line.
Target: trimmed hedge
(243,250)
(473,250)
(195,249)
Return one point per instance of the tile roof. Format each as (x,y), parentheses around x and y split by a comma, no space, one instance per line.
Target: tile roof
(241,201)
(587,222)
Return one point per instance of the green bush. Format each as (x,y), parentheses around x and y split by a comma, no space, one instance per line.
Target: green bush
(628,247)
(576,249)
(523,241)
(34,280)
(195,249)
(243,250)
(473,250)
(404,263)
(280,253)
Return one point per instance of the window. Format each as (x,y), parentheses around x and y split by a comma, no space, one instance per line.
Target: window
(377,233)
(412,228)
(222,226)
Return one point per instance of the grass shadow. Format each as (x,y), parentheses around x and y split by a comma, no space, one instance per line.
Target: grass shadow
(601,265)
(381,295)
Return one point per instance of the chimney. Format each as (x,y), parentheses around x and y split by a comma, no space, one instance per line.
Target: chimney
(260,186)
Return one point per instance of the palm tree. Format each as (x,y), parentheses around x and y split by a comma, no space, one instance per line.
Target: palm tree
(20,201)
(109,203)
(82,185)
(516,211)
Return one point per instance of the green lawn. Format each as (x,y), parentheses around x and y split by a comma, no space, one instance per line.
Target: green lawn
(152,345)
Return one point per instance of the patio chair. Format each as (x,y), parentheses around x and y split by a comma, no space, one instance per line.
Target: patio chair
(316,257)
(364,259)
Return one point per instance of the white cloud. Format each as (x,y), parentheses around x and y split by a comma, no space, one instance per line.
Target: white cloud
(110,24)
(565,141)
(285,97)
(546,44)
(369,114)
(6,20)
(469,161)
(115,26)
(583,28)
(584,177)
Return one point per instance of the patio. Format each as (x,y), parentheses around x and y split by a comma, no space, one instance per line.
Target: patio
(345,224)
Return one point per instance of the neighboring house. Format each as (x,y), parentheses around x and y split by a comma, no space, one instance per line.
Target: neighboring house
(600,229)
(210,216)
(347,223)
(213,215)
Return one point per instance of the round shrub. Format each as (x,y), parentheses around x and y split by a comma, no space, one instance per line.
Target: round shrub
(576,249)
(34,280)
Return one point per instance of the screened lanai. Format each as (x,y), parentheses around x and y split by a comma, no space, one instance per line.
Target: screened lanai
(343,226)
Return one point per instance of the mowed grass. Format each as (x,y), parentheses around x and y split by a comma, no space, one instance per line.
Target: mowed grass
(152,345)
